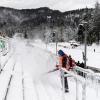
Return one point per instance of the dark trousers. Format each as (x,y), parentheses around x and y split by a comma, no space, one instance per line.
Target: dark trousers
(66,83)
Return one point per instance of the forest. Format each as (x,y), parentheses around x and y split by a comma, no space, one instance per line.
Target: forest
(52,25)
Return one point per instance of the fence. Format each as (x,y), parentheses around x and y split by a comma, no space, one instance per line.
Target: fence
(89,75)
(4,45)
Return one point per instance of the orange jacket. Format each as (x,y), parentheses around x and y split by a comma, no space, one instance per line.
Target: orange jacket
(73,63)
(67,63)
(60,62)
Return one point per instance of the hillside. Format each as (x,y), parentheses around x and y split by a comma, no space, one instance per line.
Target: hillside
(37,21)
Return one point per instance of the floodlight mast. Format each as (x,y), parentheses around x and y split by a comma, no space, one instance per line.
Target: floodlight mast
(84,24)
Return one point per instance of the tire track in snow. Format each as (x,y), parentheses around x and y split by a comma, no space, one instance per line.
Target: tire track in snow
(23,87)
(5,77)
(9,83)
(36,91)
(16,88)
(30,92)
(3,66)
(51,86)
(51,92)
(28,89)
(40,90)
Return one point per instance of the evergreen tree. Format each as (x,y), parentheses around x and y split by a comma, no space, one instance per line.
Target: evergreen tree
(96,23)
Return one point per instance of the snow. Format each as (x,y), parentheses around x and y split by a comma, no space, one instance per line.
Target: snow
(28,62)
(76,53)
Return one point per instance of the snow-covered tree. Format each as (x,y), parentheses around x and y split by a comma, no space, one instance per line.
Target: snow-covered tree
(96,23)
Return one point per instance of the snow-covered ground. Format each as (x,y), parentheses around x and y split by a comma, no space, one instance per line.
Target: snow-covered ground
(76,53)
(25,75)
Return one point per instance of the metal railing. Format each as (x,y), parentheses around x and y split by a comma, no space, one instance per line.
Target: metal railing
(88,72)
(79,79)
(4,45)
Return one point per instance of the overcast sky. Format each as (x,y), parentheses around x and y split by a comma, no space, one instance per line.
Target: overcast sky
(62,5)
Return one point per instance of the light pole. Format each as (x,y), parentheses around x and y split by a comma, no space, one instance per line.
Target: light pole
(55,36)
(85,41)
(85,50)
(56,42)
(84,24)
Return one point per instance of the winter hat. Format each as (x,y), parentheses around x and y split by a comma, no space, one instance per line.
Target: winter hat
(60,52)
